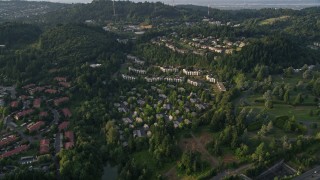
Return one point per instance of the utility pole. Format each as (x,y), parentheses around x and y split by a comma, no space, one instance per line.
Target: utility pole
(114,9)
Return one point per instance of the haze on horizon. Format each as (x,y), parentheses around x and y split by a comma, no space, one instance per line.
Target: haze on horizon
(225,4)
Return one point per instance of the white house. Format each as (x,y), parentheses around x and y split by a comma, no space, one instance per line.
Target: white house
(210,79)
(191,73)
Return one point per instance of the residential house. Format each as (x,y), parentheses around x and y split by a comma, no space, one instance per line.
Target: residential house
(138,71)
(51,91)
(14,151)
(60,79)
(44,146)
(210,78)
(59,101)
(153,79)
(192,73)
(63,126)
(14,104)
(23,113)
(27,160)
(37,103)
(66,112)
(36,126)
(194,82)
(7,140)
(70,138)
(129,78)
(169,69)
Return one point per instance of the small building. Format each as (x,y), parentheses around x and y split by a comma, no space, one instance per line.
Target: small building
(221,87)
(27,160)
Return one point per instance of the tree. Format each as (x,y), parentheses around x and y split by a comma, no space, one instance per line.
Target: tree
(268,104)
(111,132)
(288,72)
(298,99)
(307,74)
(267,95)
(259,155)
(286,97)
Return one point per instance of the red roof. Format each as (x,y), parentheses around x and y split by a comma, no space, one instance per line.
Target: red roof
(64,125)
(23,97)
(65,84)
(37,103)
(61,79)
(69,145)
(14,104)
(66,112)
(44,146)
(69,136)
(36,126)
(51,91)
(7,140)
(36,89)
(28,86)
(15,151)
(24,113)
(58,101)
(43,114)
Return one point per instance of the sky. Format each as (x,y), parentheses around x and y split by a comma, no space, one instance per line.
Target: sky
(227,4)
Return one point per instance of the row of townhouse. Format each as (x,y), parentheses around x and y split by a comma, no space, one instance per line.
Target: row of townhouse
(316,44)
(168,69)
(166,79)
(191,73)
(210,79)
(138,71)
(135,59)
(194,82)
(129,78)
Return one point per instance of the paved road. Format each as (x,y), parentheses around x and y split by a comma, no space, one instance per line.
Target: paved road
(313,174)
(9,121)
(231,172)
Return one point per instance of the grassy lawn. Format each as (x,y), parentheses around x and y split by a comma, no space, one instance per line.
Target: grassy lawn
(146,158)
(274,20)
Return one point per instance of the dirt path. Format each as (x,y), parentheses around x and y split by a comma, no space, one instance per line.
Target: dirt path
(171,174)
(203,151)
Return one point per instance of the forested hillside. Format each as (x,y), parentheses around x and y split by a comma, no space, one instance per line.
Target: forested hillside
(18,34)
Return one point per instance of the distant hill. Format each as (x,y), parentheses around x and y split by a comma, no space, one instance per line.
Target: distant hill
(13,10)
(101,11)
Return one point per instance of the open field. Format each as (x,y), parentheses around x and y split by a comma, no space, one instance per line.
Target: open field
(274,20)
